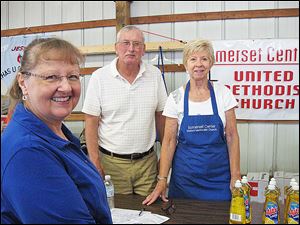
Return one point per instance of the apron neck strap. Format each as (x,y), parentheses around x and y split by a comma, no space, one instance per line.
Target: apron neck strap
(212,97)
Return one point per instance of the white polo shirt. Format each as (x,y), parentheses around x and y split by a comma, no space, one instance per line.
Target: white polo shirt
(126,111)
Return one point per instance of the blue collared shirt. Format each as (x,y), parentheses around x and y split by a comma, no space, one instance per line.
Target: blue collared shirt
(46,179)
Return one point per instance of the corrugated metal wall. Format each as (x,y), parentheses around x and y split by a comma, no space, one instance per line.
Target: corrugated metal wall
(264,146)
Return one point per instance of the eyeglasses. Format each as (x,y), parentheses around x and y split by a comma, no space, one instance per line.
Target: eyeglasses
(54,79)
(168,207)
(135,44)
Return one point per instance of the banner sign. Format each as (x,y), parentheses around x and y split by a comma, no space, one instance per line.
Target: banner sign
(11,53)
(263,75)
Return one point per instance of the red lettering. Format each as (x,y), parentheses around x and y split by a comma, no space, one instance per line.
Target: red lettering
(268,90)
(296,88)
(245,103)
(18,48)
(236,89)
(294,212)
(279,90)
(231,56)
(277,101)
(256,103)
(267,103)
(282,55)
(290,104)
(256,90)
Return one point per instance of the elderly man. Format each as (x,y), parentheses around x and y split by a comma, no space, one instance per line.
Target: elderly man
(123,106)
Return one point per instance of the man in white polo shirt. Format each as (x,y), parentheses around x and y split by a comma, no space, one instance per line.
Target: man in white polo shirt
(123,106)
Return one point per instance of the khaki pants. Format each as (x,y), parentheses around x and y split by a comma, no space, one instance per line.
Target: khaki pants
(131,176)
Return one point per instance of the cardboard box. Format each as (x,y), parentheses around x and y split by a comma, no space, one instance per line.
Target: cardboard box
(253,181)
(288,176)
(279,176)
(258,182)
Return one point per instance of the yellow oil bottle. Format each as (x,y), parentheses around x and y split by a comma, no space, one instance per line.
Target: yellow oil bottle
(271,206)
(248,207)
(292,216)
(237,206)
(287,191)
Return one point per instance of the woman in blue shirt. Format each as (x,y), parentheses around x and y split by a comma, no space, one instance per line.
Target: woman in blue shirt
(45,177)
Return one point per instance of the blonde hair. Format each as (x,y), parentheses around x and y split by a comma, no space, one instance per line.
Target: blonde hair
(198,46)
(44,49)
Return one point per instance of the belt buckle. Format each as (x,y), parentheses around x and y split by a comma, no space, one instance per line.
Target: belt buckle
(135,156)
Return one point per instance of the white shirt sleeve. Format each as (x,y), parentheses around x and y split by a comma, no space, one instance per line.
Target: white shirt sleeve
(92,103)
(162,93)
(171,107)
(228,99)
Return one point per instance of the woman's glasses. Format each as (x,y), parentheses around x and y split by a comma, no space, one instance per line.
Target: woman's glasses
(54,79)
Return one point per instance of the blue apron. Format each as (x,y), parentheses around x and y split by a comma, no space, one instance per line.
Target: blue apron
(200,168)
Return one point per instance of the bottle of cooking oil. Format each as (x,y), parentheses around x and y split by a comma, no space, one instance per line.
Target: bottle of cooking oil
(271,206)
(293,181)
(237,207)
(248,207)
(287,191)
(292,214)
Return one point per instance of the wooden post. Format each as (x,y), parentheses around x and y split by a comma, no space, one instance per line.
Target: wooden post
(122,14)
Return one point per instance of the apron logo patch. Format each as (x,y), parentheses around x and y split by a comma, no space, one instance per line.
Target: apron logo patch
(201,128)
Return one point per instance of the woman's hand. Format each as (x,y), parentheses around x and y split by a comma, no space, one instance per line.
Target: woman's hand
(160,190)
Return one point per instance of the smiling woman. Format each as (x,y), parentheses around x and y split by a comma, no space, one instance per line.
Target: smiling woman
(46,178)
(45,62)
(201,141)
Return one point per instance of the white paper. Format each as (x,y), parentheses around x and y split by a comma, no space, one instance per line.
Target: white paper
(129,216)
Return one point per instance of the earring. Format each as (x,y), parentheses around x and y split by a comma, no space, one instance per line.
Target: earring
(24,97)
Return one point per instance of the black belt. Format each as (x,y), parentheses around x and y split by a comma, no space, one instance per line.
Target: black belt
(132,156)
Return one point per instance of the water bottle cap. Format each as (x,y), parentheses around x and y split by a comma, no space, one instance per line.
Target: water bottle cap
(271,187)
(293,183)
(295,187)
(107,177)
(238,184)
(244,180)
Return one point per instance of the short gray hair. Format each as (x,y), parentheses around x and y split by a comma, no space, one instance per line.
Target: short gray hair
(129,28)
(197,46)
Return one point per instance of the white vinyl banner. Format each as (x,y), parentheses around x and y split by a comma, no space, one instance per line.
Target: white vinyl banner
(11,53)
(263,75)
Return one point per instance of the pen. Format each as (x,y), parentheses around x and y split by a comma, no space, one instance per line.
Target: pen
(142,210)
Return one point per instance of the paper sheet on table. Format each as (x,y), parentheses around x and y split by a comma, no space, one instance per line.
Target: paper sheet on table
(129,216)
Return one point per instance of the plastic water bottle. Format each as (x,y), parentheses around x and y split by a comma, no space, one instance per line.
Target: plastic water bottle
(110,191)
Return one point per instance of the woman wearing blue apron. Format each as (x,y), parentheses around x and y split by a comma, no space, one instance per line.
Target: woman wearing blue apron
(204,154)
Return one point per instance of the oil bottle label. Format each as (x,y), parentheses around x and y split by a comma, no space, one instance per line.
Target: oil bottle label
(272,212)
(235,217)
(293,213)
(247,206)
